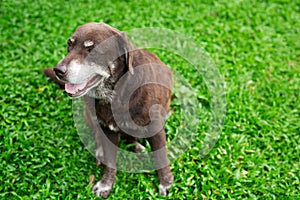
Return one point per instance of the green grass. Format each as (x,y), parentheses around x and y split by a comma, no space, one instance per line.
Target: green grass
(256,46)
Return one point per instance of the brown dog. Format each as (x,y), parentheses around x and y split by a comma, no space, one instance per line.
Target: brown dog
(126,91)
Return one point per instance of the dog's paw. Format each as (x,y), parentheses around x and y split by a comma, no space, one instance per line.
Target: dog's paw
(102,189)
(165,184)
(164,189)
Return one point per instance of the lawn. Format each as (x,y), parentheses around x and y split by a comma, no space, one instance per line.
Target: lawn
(255,46)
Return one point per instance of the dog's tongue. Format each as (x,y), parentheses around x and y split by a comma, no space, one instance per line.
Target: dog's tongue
(73,88)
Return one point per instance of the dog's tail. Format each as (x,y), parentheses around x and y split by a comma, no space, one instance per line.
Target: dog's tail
(51,74)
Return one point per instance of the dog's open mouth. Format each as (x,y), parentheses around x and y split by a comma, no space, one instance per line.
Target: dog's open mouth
(77,90)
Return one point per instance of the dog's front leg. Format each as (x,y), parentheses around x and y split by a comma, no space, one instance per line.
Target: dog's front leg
(109,144)
(92,121)
(158,146)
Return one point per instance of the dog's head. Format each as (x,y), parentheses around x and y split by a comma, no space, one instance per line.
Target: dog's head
(98,55)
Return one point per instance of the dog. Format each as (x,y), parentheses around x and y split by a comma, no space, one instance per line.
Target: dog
(127,92)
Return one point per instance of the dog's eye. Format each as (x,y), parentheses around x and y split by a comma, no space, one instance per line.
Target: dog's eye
(70,41)
(89,45)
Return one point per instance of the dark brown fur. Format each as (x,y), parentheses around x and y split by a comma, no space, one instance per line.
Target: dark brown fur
(140,103)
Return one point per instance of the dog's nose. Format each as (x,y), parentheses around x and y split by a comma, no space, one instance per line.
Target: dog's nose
(60,71)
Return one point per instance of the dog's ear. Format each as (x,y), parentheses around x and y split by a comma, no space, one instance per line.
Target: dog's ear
(127,52)
(125,47)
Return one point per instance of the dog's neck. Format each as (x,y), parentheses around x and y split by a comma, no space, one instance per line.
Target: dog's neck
(103,92)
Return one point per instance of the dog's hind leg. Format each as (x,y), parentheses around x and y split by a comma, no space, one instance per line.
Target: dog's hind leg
(137,147)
